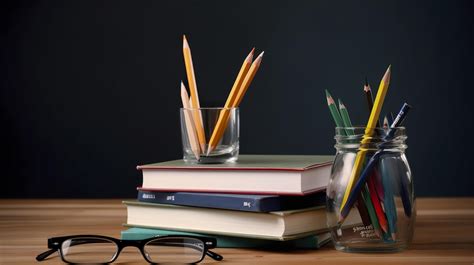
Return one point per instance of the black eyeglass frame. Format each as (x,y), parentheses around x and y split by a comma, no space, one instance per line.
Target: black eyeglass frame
(55,243)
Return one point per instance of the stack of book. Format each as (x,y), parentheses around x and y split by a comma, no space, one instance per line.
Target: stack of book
(259,201)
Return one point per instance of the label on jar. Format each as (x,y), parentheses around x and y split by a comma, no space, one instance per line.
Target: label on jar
(365,231)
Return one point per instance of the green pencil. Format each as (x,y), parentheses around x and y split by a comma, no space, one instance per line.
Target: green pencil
(362,205)
(370,208)
(333,109)
(345,118)
(365,192)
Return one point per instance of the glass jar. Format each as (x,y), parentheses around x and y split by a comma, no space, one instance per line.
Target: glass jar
(378,213)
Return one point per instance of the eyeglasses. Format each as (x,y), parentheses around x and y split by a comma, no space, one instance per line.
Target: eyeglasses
(103,249)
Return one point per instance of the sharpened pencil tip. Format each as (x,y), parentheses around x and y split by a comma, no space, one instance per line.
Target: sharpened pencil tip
(185,42)
(261,54)
(328,95)
(183,90)
(389,69)
(366,86)
(329,98)
(250,56)
(386,76)
(341,105)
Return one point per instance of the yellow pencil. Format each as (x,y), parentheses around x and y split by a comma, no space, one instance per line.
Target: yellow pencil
(369,130)
(188,119)
(248,79)
(221,124)
(240,94)
(188,60)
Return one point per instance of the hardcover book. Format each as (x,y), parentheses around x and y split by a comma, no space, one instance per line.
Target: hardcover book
(239,202)
(251,174)
(279,225)
(308,242)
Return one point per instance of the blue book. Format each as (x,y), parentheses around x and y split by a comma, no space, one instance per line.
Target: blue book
(223,241)
(239,202)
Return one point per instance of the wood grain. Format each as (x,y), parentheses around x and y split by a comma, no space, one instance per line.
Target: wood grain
(444,234)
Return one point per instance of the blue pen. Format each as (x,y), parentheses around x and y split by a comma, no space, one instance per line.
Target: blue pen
(372,162)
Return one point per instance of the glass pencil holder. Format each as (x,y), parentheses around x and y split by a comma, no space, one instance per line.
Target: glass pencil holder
(210,135)
(370,198)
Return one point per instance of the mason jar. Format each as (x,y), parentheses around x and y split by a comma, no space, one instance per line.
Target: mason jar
(378,212)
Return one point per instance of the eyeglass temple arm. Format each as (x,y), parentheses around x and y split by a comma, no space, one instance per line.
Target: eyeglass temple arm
(45,254)
(214,255)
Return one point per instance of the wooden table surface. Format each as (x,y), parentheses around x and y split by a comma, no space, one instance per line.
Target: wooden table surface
(444,234)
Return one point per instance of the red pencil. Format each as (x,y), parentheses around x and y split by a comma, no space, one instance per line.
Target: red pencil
(376,202)
(378,185)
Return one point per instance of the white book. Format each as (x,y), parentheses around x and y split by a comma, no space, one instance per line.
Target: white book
(282,225)
(251,174)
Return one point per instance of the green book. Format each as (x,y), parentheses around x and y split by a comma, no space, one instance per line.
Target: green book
(251,174)
(308,242)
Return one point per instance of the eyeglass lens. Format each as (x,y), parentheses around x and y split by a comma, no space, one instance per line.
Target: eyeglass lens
(88,250)
(174,250)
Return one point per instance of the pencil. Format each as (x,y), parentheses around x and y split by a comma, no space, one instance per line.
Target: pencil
(365,207)
(376,202)
(345,118)
(385,122)
(374,183)
(373,216)
(240,95)
(223,119)
(197,118)
(370,98)
(369,129)
(248,79)
(372,162)
(389,202)
(378,186)
(407,204)
(190,127)
(333,109)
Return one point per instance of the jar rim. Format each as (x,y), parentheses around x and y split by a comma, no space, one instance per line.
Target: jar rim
(375,128)
(211,108)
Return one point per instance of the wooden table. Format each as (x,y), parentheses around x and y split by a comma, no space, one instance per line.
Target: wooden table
(444,234)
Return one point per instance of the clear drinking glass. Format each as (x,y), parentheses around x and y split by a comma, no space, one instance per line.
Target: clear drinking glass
(210,135)
(384,199)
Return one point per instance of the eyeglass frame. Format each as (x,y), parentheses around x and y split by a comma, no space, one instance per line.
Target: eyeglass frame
(55,243)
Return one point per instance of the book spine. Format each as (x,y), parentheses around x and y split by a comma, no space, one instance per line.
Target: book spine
(207,200)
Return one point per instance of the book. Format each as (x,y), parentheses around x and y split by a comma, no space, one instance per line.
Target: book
(279,225)
(239,202)
(251,174)
(308,242)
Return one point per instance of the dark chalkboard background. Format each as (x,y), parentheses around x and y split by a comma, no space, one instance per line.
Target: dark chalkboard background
(90,89)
